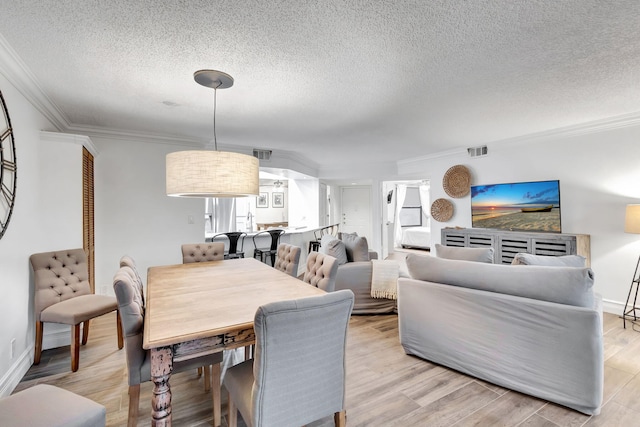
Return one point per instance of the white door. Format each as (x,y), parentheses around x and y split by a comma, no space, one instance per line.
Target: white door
(324,208)
(356,211)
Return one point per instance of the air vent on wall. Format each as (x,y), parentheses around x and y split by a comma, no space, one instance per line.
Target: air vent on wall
(477,151)
(262,154)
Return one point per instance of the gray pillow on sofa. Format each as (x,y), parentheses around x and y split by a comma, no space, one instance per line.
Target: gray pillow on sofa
(564,285)
(465,254)
(557,261)
(357,247)
(329,245)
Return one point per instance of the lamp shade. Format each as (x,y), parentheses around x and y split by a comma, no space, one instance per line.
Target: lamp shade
(209,173)
(632,219)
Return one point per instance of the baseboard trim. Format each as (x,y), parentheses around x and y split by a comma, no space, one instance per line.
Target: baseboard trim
(15,374)
(613,307)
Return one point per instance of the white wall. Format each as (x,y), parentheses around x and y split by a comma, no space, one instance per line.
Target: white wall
(134,216)
(25,235)
(599,176)
(304,203)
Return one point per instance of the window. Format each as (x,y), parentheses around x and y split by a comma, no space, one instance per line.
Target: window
(411,212)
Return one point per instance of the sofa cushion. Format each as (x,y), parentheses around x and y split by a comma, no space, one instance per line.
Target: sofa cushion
(356,246)
(564,285)
(465,254)
(330,245)
(557,261)
(401,257)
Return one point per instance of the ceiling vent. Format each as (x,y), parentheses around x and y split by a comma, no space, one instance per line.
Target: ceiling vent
(480,151)
(262,154)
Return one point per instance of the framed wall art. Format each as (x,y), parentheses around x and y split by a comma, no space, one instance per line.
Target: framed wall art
(263,200)
(278,200)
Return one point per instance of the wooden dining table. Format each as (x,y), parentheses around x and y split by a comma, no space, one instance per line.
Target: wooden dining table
(201,308)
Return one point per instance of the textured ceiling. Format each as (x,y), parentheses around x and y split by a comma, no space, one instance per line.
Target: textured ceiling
(334,80)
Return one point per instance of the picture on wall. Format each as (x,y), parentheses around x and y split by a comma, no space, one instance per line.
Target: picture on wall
(278,200)
(518,206)
(263,200)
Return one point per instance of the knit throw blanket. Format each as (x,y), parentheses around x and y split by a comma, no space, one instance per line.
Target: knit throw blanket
(384,279)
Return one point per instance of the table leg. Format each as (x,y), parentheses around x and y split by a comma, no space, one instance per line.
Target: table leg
(161,367)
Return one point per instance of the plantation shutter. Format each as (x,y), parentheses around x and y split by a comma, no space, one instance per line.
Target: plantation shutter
(88,233)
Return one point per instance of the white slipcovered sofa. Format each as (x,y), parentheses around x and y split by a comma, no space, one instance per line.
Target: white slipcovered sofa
(536,329)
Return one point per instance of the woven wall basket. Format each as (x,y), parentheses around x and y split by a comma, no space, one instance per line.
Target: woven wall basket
(442,210)
(457,181)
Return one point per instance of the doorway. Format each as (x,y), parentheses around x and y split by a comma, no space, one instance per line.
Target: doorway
(406,216)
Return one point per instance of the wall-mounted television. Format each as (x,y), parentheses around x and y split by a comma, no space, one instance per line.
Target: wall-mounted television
(518,206)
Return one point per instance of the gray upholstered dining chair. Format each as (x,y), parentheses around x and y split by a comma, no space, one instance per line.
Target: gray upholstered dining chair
(130,304)
(127,261)
(63,295)
(202,252)
(288,258)
(298,374)
(321,271)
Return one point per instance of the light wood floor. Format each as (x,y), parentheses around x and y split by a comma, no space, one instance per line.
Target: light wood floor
(385,387)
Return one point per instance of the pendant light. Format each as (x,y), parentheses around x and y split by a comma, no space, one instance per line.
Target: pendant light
(212,173)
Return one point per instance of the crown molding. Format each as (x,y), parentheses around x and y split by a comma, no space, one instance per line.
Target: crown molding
(595,126)
(18,74)
(280,158)
(128,135)
(82,140)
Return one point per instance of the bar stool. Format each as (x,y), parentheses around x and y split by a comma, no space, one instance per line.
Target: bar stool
(263,253)
(314,245)
(236,244)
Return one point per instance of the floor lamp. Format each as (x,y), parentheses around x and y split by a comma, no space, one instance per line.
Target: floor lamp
(632,225)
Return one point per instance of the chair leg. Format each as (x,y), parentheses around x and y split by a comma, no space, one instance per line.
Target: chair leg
(134,403)
(232,420)
(199,370)
(340,418)
(38,350)
(207,378)
(75,347)
(85,332)
(215,384)
(119,327)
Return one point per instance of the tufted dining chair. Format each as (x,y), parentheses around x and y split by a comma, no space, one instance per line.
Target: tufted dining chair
(202,252)
(127,261)
(298,374)
(288,258)
(321,271)
(63,295)
(130,303)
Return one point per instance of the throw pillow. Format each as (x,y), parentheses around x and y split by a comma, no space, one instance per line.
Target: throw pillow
(557,261)
(563,285)
(340,234)
(329,245)
(357,247)
(465,254)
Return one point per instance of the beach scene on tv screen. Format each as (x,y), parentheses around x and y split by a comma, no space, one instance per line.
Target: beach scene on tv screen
(522,206)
